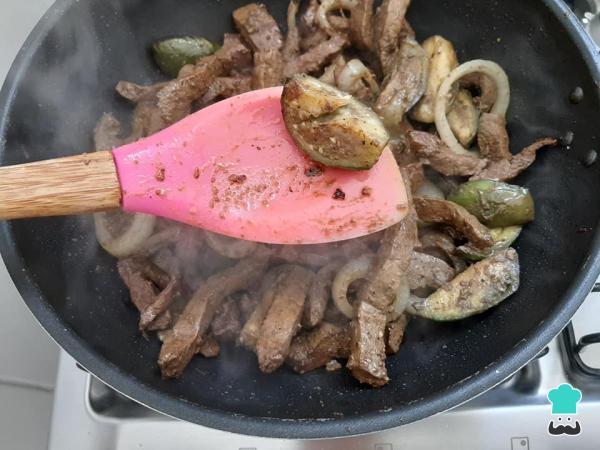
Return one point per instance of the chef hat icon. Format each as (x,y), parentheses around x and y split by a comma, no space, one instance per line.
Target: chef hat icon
(564,399)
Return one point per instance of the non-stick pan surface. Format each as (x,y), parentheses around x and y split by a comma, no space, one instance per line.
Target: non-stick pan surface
(63,80)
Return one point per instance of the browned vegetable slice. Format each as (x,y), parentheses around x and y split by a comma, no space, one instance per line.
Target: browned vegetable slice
(506,170)
(330,126)
(479,288)
(493,138)
(172,54)
(179,347)
(405,84)
(463,118)
(314,349)
(318,295)
(457,217)
(282,322)
(394,333)
(367,356)
(435,153)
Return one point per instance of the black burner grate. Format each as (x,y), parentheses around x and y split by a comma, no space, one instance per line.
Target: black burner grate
(576,368)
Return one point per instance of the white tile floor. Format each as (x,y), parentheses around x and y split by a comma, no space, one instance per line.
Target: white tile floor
(28,356)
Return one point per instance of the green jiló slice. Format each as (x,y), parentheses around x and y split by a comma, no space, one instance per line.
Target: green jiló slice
(172,54)
(331,126)
(477,289)
(494,203)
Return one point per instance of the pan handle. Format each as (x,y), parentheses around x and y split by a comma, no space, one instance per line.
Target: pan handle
(63,186)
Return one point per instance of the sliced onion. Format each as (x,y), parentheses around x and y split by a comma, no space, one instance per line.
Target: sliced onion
(327,6)
(127,241)
(355,269)
(429,190)
(354,71)
(230,247)
(160,240)
(489,68)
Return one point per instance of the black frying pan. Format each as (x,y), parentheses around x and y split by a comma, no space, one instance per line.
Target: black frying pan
(63,80)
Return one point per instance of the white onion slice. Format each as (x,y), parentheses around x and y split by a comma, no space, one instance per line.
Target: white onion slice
(489,68)
(355,269)
(129,241)
(353,72)
(327,6)
(402,300)
(230,247)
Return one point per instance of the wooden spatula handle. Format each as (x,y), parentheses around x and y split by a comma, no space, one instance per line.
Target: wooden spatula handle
(71,185)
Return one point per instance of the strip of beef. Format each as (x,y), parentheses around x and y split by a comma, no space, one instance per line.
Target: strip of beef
(416,175)
(506,170)
(257,27)
(492,138)
(395,334)
(318,295)
(145,282)
(107,133)
(316,348)
(268,69)
(176,98)
(405,84)
(433,152)
(391,264)
(367,351)
(361,25)
(388,24)
(458,218)
(137,92)
(225,87)
(266,294)
(227,325)
(188,333)
(315,58)
(440,245)
(426,271)
(147,119)
(248,301)
(483,88)
(209,348)
(282,322)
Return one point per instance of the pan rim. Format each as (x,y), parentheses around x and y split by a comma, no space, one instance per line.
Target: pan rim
(155,399)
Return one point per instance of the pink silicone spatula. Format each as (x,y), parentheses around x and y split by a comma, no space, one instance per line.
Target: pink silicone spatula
(231,168)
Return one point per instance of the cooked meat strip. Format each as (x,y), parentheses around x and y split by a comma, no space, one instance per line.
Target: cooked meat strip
(484,88)
(361,25)
(394,333)
(160,304)
(209,348)
(144,279)
(225,87)
(457,217)
(433,152)
(441,245)
(506,170)
(407,30)
(319,255)
(416,175)
(265,295)
(426,271)
(176,98)
(391,264)
(316,348)
(291,47)
(492,138)
(387,26)
(226,325)
(282,322)
(147,119)
(405,84)
(318,295)
(316,57)
(248,302)
(268,69)
(367,351)
(179,348)
(258,27)
(137,92)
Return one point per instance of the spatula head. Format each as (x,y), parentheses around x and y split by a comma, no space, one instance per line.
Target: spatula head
(232,168)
